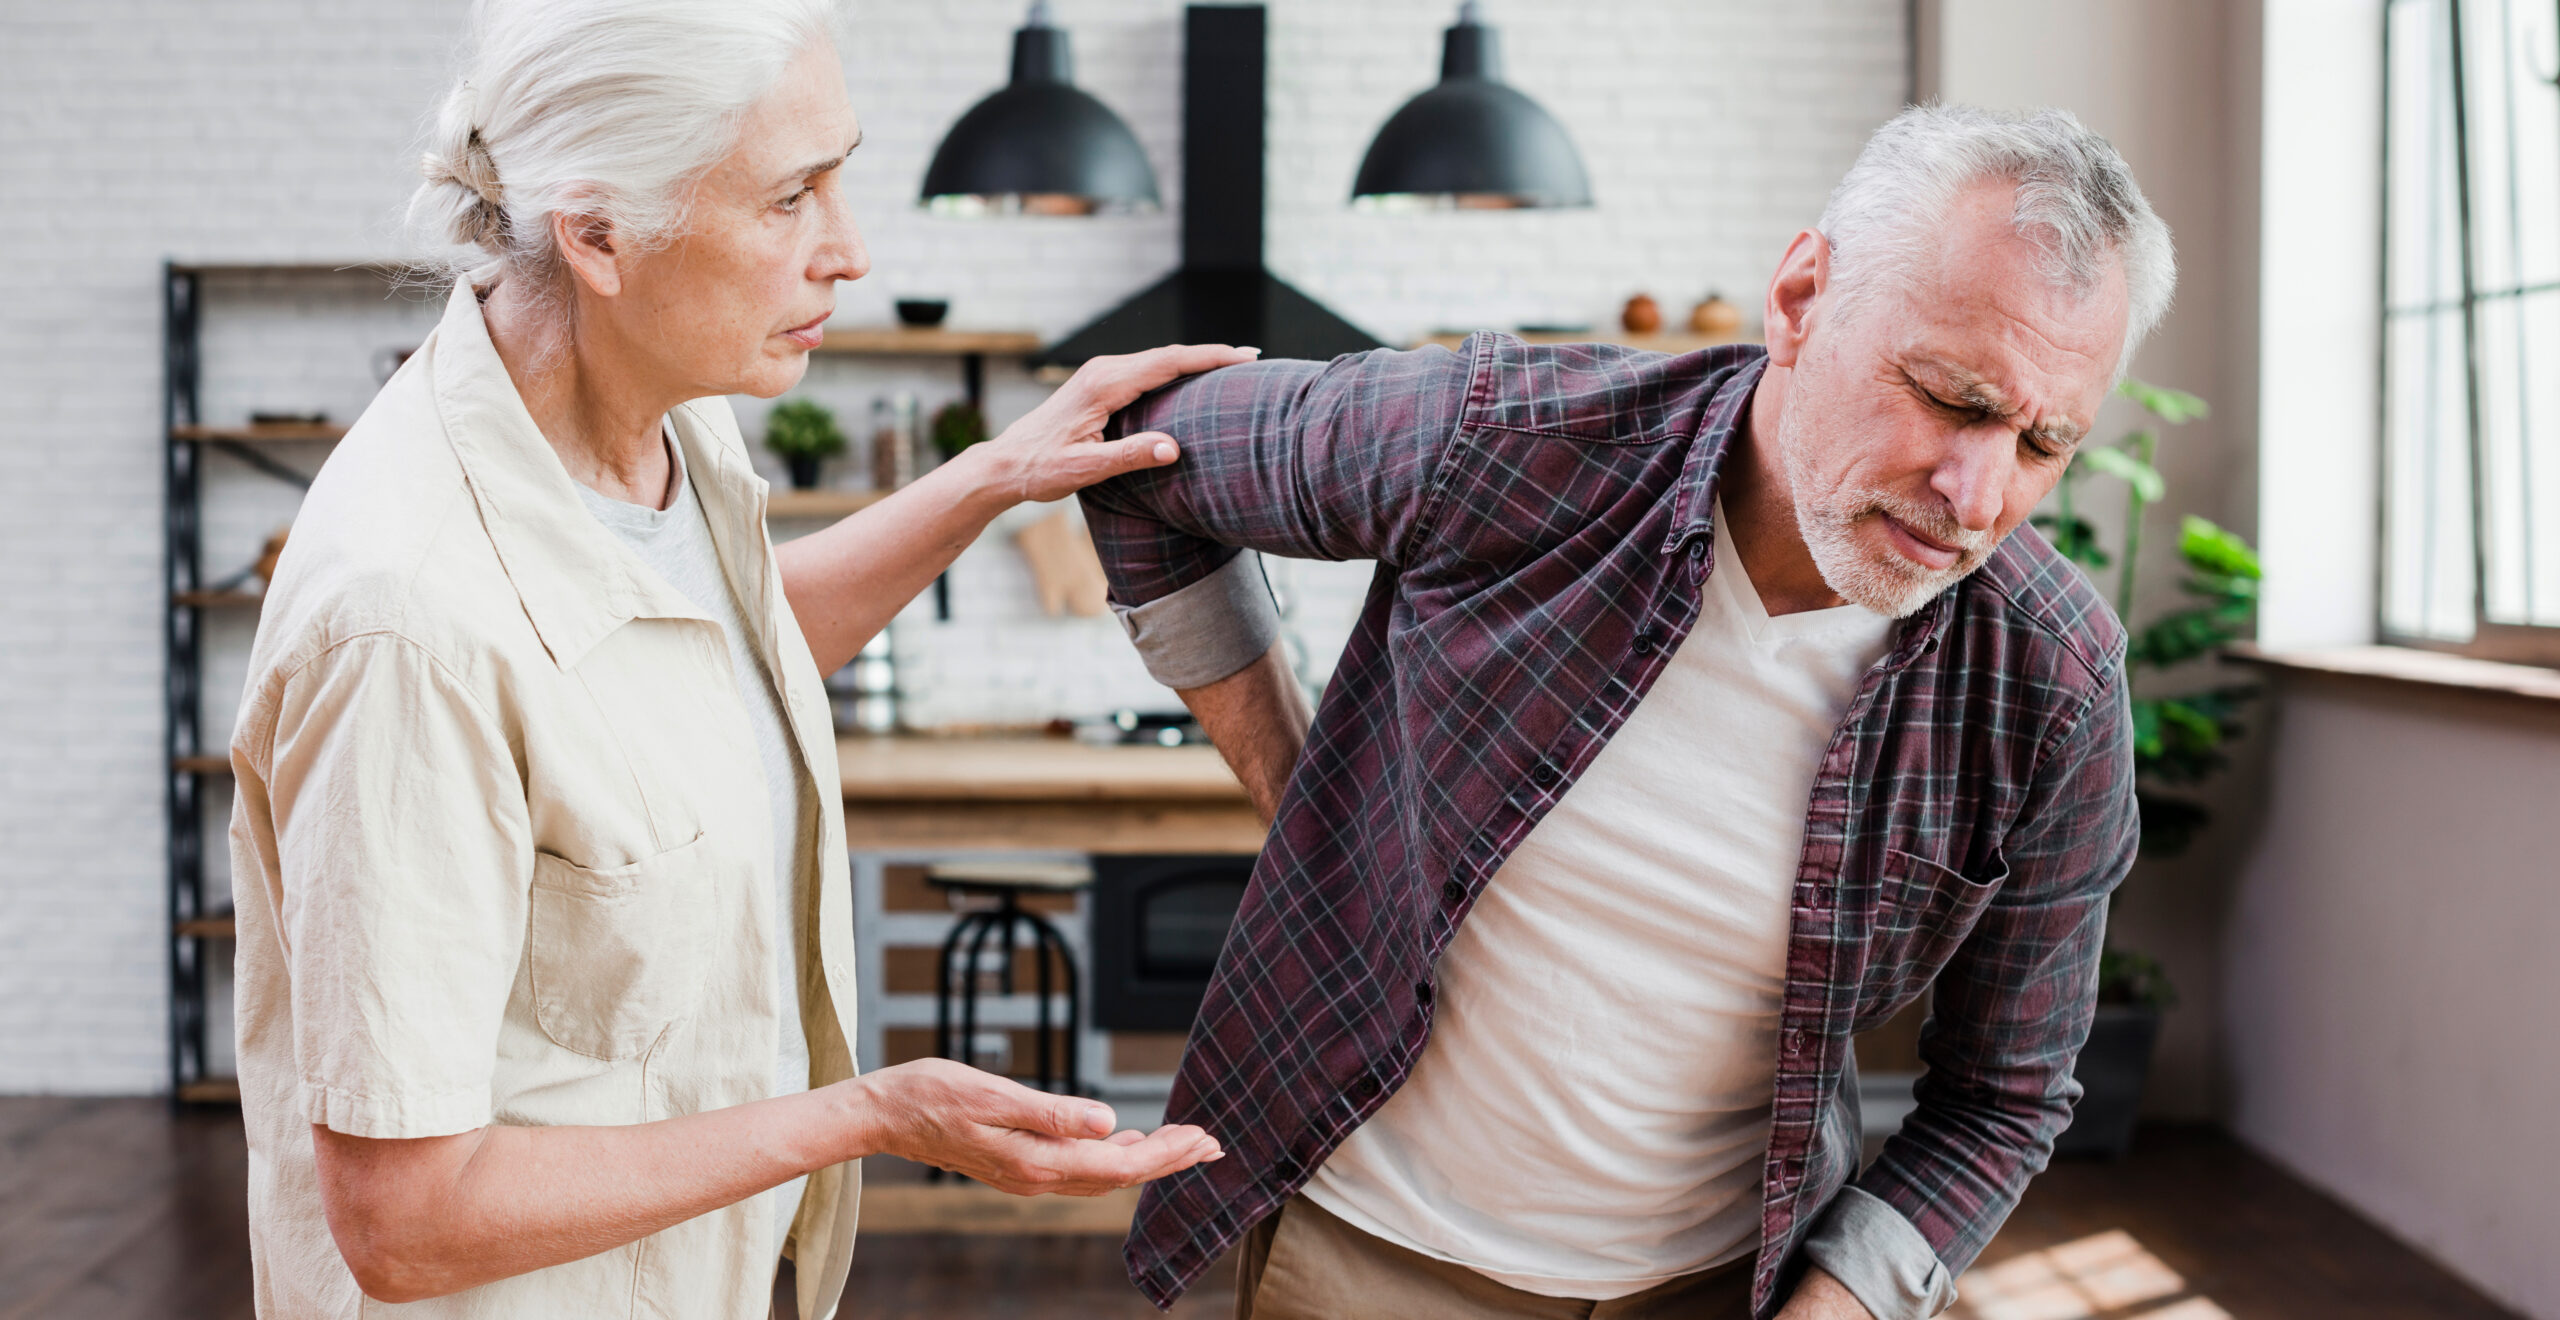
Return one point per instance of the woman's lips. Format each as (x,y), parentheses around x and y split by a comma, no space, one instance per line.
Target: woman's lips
(810,335)
(1920,548)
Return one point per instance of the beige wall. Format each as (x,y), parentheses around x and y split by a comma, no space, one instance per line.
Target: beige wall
(2174,84)
(2393,980)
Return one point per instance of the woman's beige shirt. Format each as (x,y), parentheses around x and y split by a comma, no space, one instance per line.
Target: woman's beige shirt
(501,847)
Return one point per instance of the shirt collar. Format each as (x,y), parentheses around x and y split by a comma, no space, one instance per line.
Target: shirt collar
(1702,476)
(576,582)
(1693,507)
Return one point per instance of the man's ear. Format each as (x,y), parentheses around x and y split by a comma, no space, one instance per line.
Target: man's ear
(586,242)
(1794,293)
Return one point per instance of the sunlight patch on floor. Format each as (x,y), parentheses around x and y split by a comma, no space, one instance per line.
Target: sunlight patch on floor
(2105,1276)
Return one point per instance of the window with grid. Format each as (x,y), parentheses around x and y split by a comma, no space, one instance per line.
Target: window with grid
(2471,327)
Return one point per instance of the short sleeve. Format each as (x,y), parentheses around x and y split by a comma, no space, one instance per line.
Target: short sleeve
(405,857)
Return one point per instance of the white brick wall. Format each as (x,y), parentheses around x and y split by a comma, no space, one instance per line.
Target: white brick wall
(135,130)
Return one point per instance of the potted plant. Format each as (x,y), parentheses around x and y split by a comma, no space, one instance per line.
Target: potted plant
(956,426)
(804,433)
(2180,734)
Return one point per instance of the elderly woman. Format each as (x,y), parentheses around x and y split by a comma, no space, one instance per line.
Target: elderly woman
(545,977)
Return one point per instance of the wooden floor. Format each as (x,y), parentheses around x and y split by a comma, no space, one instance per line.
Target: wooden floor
(117,1210)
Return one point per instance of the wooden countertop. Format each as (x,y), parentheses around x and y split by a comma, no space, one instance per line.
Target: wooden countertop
(890,770)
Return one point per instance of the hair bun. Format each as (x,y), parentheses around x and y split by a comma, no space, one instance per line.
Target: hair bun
(473,169)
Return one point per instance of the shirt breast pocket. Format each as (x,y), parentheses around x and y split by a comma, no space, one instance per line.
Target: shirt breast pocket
(1928,910)
(616,956)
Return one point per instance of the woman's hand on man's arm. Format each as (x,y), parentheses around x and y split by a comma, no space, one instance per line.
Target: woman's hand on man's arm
(847,582)
(425,1217)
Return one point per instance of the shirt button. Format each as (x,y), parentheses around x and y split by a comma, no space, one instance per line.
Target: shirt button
(1544,774)
(1795,1042)
(1422,992)
(1452,893)
(1285,1168)
(1366,1088)
(1647,642)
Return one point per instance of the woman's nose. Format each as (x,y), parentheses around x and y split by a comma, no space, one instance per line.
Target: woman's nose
(844,256)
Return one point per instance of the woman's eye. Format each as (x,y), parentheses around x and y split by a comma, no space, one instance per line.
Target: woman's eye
(792,202)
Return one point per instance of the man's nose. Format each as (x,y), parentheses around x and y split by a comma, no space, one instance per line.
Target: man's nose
(1973,477)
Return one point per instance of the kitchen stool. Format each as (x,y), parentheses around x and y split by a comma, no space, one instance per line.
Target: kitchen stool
(1007,882)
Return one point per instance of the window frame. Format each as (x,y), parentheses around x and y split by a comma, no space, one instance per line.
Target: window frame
(2532,644)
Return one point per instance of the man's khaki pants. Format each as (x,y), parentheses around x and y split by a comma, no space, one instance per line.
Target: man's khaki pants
(1304,1264)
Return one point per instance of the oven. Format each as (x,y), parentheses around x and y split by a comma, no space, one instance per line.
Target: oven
(1158,925)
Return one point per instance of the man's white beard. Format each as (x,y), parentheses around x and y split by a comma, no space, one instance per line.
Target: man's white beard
(1878,578)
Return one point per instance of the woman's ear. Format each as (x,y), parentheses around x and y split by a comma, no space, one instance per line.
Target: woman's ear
(586,242)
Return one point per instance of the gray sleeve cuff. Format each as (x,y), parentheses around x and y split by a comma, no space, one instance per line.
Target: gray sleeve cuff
(1878,1256)
(1208,630)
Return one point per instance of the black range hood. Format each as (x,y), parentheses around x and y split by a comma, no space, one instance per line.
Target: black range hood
(1221,294)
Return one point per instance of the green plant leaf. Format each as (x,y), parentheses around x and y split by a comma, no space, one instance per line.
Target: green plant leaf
(2076,539)
(2180,636)
(2211,550)
(2144,478)
(2129,977)
(2191,726)
(2146,729)
(2175,407)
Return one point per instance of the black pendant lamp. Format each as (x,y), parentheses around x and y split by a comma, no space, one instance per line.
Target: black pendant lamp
(1472,142)
(1038,146)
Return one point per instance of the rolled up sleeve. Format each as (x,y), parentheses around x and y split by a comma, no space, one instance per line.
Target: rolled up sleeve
(1203,632)
(403,846)
(1880,1258)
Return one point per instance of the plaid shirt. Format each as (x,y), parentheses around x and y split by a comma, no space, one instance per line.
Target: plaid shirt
(1540,517)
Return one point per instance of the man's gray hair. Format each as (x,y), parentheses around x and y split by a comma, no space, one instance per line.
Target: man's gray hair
(2077,202)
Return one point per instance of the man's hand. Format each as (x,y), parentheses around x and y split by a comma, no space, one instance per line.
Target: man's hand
(1258,718)
(1013,1138)
(1821,1297)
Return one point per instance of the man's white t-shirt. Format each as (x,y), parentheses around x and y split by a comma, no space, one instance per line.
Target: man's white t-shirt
(676,541)
(1591,1114)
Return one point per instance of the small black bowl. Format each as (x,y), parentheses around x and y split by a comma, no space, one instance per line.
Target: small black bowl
(922,312)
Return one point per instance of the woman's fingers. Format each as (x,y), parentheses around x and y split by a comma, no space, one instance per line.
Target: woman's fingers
(1079,464)
(1091,1167)
(1113,383)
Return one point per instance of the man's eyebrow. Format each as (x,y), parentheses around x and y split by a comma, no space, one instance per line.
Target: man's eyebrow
(820,167)
(1974,392)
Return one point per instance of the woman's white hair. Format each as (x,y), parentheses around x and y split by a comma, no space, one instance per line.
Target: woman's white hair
(604,108)
(2077,202)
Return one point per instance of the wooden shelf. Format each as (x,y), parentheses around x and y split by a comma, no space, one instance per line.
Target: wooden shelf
(210,1091)
(270,432)
(908,341)
(202,765)
(211,600)
(1681,342)
(353,266)
(819,503)
(218,926)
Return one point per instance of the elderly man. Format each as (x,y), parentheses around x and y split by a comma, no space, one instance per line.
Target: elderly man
(1703,713)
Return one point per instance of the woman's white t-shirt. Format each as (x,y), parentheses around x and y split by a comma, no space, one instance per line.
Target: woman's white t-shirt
(676,541)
